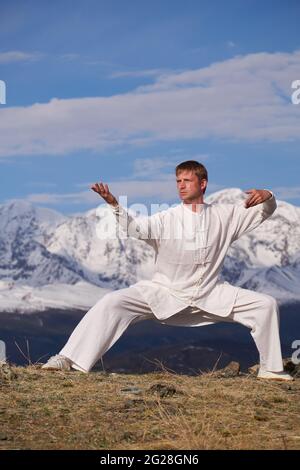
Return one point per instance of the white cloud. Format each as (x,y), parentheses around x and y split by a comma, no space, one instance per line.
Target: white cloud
(152,166)
(286,192)
(140,73)
(244,98)
(83,197)
(18,56)
(156,166)
(163,188)
(231,44)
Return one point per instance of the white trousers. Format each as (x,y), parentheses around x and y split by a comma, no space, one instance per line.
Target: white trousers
(107,320)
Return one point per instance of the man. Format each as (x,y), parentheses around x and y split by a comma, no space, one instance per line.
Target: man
(190,242)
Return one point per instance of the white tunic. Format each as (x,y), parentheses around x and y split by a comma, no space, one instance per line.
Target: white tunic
(190,248)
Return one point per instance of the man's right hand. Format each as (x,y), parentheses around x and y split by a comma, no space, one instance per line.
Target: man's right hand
(103,191)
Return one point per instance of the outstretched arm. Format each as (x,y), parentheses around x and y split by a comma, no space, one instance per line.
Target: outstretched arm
(143,228)
(249,214)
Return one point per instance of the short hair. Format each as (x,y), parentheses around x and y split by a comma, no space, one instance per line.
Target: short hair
(196,167)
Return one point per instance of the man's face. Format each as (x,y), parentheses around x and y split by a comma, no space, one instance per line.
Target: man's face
(189,186)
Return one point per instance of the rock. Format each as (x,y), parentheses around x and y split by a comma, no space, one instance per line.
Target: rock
(232,370)
(6,373)
(253,370)
(134,403)
(163,390)
(291,367)
(134,390)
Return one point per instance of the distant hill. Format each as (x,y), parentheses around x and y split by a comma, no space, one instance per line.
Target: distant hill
(146,346)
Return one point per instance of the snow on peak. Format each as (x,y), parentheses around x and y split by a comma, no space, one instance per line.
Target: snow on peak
(17,210)
(40,247)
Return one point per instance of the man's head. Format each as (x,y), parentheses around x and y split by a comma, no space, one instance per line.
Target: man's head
(191,177)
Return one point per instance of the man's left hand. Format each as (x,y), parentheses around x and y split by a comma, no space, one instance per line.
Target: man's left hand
(257,196)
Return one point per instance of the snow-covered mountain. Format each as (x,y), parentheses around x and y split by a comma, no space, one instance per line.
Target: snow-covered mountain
(51,260)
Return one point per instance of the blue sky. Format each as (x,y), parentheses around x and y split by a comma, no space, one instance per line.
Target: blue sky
(122,91)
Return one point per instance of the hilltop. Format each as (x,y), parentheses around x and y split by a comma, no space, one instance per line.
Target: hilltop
(217,410)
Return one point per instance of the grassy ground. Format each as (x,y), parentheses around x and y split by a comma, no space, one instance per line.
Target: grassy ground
(71,410)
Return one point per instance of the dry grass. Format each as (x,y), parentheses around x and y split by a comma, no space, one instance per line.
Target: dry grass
(71,410)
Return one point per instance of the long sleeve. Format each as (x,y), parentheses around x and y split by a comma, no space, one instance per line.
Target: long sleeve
(147,228)
(244,220)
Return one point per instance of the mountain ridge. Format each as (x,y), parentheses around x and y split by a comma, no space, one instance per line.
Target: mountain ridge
(48,259)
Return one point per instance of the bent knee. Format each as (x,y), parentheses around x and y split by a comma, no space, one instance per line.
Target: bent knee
(112,300)
(269,302)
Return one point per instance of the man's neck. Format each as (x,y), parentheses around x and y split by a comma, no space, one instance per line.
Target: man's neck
(194,205)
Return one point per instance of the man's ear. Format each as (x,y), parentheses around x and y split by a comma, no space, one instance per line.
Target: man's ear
(203,185)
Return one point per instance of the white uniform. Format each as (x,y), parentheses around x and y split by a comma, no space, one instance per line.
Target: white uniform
(190,248)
